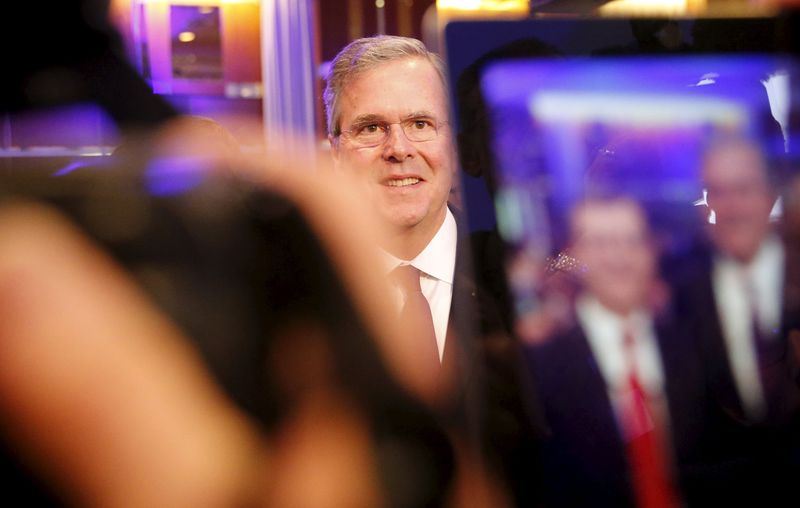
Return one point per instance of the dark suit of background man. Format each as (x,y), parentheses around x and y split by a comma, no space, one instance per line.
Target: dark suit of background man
(622,389)
(733,295)
(389,128)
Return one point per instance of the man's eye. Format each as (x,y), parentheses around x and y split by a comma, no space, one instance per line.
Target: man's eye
(371,128)
(422,124)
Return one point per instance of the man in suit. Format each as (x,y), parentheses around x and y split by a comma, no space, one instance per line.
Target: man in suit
(389,127)
(732,295)
(621,389)
(390,133)
(745,277)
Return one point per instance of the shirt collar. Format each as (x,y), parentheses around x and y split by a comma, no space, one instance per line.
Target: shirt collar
(438,258)
(768,260)
(769,257)
(609,324)
(604,331)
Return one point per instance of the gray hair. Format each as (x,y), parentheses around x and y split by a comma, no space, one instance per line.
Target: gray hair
(367,53)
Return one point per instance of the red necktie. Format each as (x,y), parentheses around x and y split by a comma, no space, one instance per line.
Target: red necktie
(647,457)
(416,313)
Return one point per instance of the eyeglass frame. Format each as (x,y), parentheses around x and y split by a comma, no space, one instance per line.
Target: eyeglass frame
(386,127)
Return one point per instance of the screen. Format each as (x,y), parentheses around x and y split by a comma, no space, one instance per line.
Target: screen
(638,124)
(552,113)
(563,131)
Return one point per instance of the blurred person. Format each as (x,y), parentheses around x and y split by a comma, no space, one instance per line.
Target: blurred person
(244,327)
(792,292)
(622,389)
(739,287)
(732,294)
(390,133)
(103,397)
(177,440)
(292,370)
(178,154)
(182,136)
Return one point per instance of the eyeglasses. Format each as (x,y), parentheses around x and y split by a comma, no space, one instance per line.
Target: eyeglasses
(374,133)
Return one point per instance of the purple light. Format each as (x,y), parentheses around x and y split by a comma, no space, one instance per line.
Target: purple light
(170,176)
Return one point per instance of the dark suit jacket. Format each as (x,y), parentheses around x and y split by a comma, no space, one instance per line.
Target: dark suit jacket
(493,403)
(584,459)
(695,299)
(755,459)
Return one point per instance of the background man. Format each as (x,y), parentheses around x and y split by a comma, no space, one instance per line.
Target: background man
(621,388)
(747,267)
(733,298)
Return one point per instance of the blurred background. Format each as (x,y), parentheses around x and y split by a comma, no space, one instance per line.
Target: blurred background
(211,254)
(263,61)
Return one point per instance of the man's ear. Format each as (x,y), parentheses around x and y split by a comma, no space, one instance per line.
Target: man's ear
(334,150)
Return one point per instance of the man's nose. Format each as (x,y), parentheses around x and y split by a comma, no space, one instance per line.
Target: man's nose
(397,146)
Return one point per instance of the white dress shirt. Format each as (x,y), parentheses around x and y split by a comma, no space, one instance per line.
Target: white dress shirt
(436,264)
(738,287)
(605,332)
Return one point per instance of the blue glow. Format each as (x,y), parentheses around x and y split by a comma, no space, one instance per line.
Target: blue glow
(69,168)
(636,124)
(170,176)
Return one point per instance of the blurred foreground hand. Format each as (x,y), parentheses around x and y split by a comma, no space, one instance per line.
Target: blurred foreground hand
(99,390)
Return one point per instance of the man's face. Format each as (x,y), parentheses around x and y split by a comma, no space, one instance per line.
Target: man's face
(739,194)
(611,239)
(407,182)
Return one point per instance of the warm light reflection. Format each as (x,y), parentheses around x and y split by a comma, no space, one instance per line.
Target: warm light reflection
(186,36)
(452,10)
(483,5)
(652,7)
(200,3)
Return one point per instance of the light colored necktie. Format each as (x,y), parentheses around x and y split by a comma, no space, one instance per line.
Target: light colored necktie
(416,313)
(769,349)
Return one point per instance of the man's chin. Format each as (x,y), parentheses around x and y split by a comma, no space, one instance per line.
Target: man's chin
(742,249)
(741,252)
(404,223)
(623,300)
(402,218)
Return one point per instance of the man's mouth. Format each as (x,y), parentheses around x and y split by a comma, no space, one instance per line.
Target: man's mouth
(402,182)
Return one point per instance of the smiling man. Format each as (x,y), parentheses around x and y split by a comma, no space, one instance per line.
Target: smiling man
(388,124)
(393,130)
(389,127)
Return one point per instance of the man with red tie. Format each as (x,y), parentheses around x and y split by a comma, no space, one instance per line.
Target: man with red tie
(621,389)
